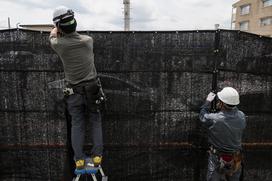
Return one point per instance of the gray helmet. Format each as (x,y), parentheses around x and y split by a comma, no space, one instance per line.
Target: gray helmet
(61,13)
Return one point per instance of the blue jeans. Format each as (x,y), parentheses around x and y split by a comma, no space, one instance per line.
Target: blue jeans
(213,171)
(77,108)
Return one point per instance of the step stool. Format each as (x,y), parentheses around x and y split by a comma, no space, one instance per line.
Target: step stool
(92,173)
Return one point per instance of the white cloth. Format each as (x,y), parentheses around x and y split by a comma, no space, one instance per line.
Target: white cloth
(210,96)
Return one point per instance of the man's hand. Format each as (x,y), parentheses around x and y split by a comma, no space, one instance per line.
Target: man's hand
(54,32)
(210,97)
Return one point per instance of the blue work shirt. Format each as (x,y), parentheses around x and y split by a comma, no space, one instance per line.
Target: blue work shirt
(225,127)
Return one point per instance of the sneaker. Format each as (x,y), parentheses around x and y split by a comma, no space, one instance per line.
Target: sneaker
(90,167)
(97,160)
(80,165)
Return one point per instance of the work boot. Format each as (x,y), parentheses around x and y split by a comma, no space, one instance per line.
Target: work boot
(80,167)
(90,167)
(97,160)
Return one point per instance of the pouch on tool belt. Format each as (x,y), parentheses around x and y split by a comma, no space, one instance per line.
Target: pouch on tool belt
(95,96)
(230,163)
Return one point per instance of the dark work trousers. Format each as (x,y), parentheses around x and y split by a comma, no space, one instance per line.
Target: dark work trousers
(77,108)
(213,171)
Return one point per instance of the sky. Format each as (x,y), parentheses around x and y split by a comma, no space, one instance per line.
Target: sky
(108,14)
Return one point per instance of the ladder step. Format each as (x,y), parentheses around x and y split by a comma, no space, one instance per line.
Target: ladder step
(79,172)
(91,172)
(85,171)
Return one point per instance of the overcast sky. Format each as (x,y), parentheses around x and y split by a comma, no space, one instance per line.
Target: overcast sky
(108,14)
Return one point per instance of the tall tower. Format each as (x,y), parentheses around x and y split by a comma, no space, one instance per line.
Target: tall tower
(126,15)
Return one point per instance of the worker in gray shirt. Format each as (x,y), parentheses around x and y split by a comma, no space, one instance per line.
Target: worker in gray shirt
(225,130)
(84,91)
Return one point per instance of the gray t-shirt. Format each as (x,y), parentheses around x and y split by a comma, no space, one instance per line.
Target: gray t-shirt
(225,127)
(76,53)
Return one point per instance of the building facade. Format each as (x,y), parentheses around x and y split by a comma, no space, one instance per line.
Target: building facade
(254,16)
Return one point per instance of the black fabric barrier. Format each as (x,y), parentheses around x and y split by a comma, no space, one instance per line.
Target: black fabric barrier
(155,83)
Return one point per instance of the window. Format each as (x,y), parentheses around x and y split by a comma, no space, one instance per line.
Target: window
(234,14)
(266,21)
(245,9)
(244,25)
(234,10)
(267,3)
(233,26)
(233,18)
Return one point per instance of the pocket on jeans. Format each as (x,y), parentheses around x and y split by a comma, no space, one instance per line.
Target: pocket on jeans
(74,100)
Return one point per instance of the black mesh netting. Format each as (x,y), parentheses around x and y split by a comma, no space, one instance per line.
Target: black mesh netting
(155,83)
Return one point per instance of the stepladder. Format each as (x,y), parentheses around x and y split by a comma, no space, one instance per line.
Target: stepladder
(93,174)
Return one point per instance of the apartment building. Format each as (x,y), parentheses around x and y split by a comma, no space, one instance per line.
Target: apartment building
(254,16)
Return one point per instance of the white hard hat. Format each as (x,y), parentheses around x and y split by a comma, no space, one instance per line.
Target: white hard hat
(229,96)
(62,12)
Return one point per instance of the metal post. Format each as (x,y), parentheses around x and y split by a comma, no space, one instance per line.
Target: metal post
(231,20)
(126,15)
(8,23)
(215,70)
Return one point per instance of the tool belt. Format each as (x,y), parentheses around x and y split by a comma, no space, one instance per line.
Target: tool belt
(93,91)
(229,163)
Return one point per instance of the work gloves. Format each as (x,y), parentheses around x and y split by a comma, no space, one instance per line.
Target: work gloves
(210,97)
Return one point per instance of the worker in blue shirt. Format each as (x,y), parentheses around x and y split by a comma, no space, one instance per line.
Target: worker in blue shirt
(225,129)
